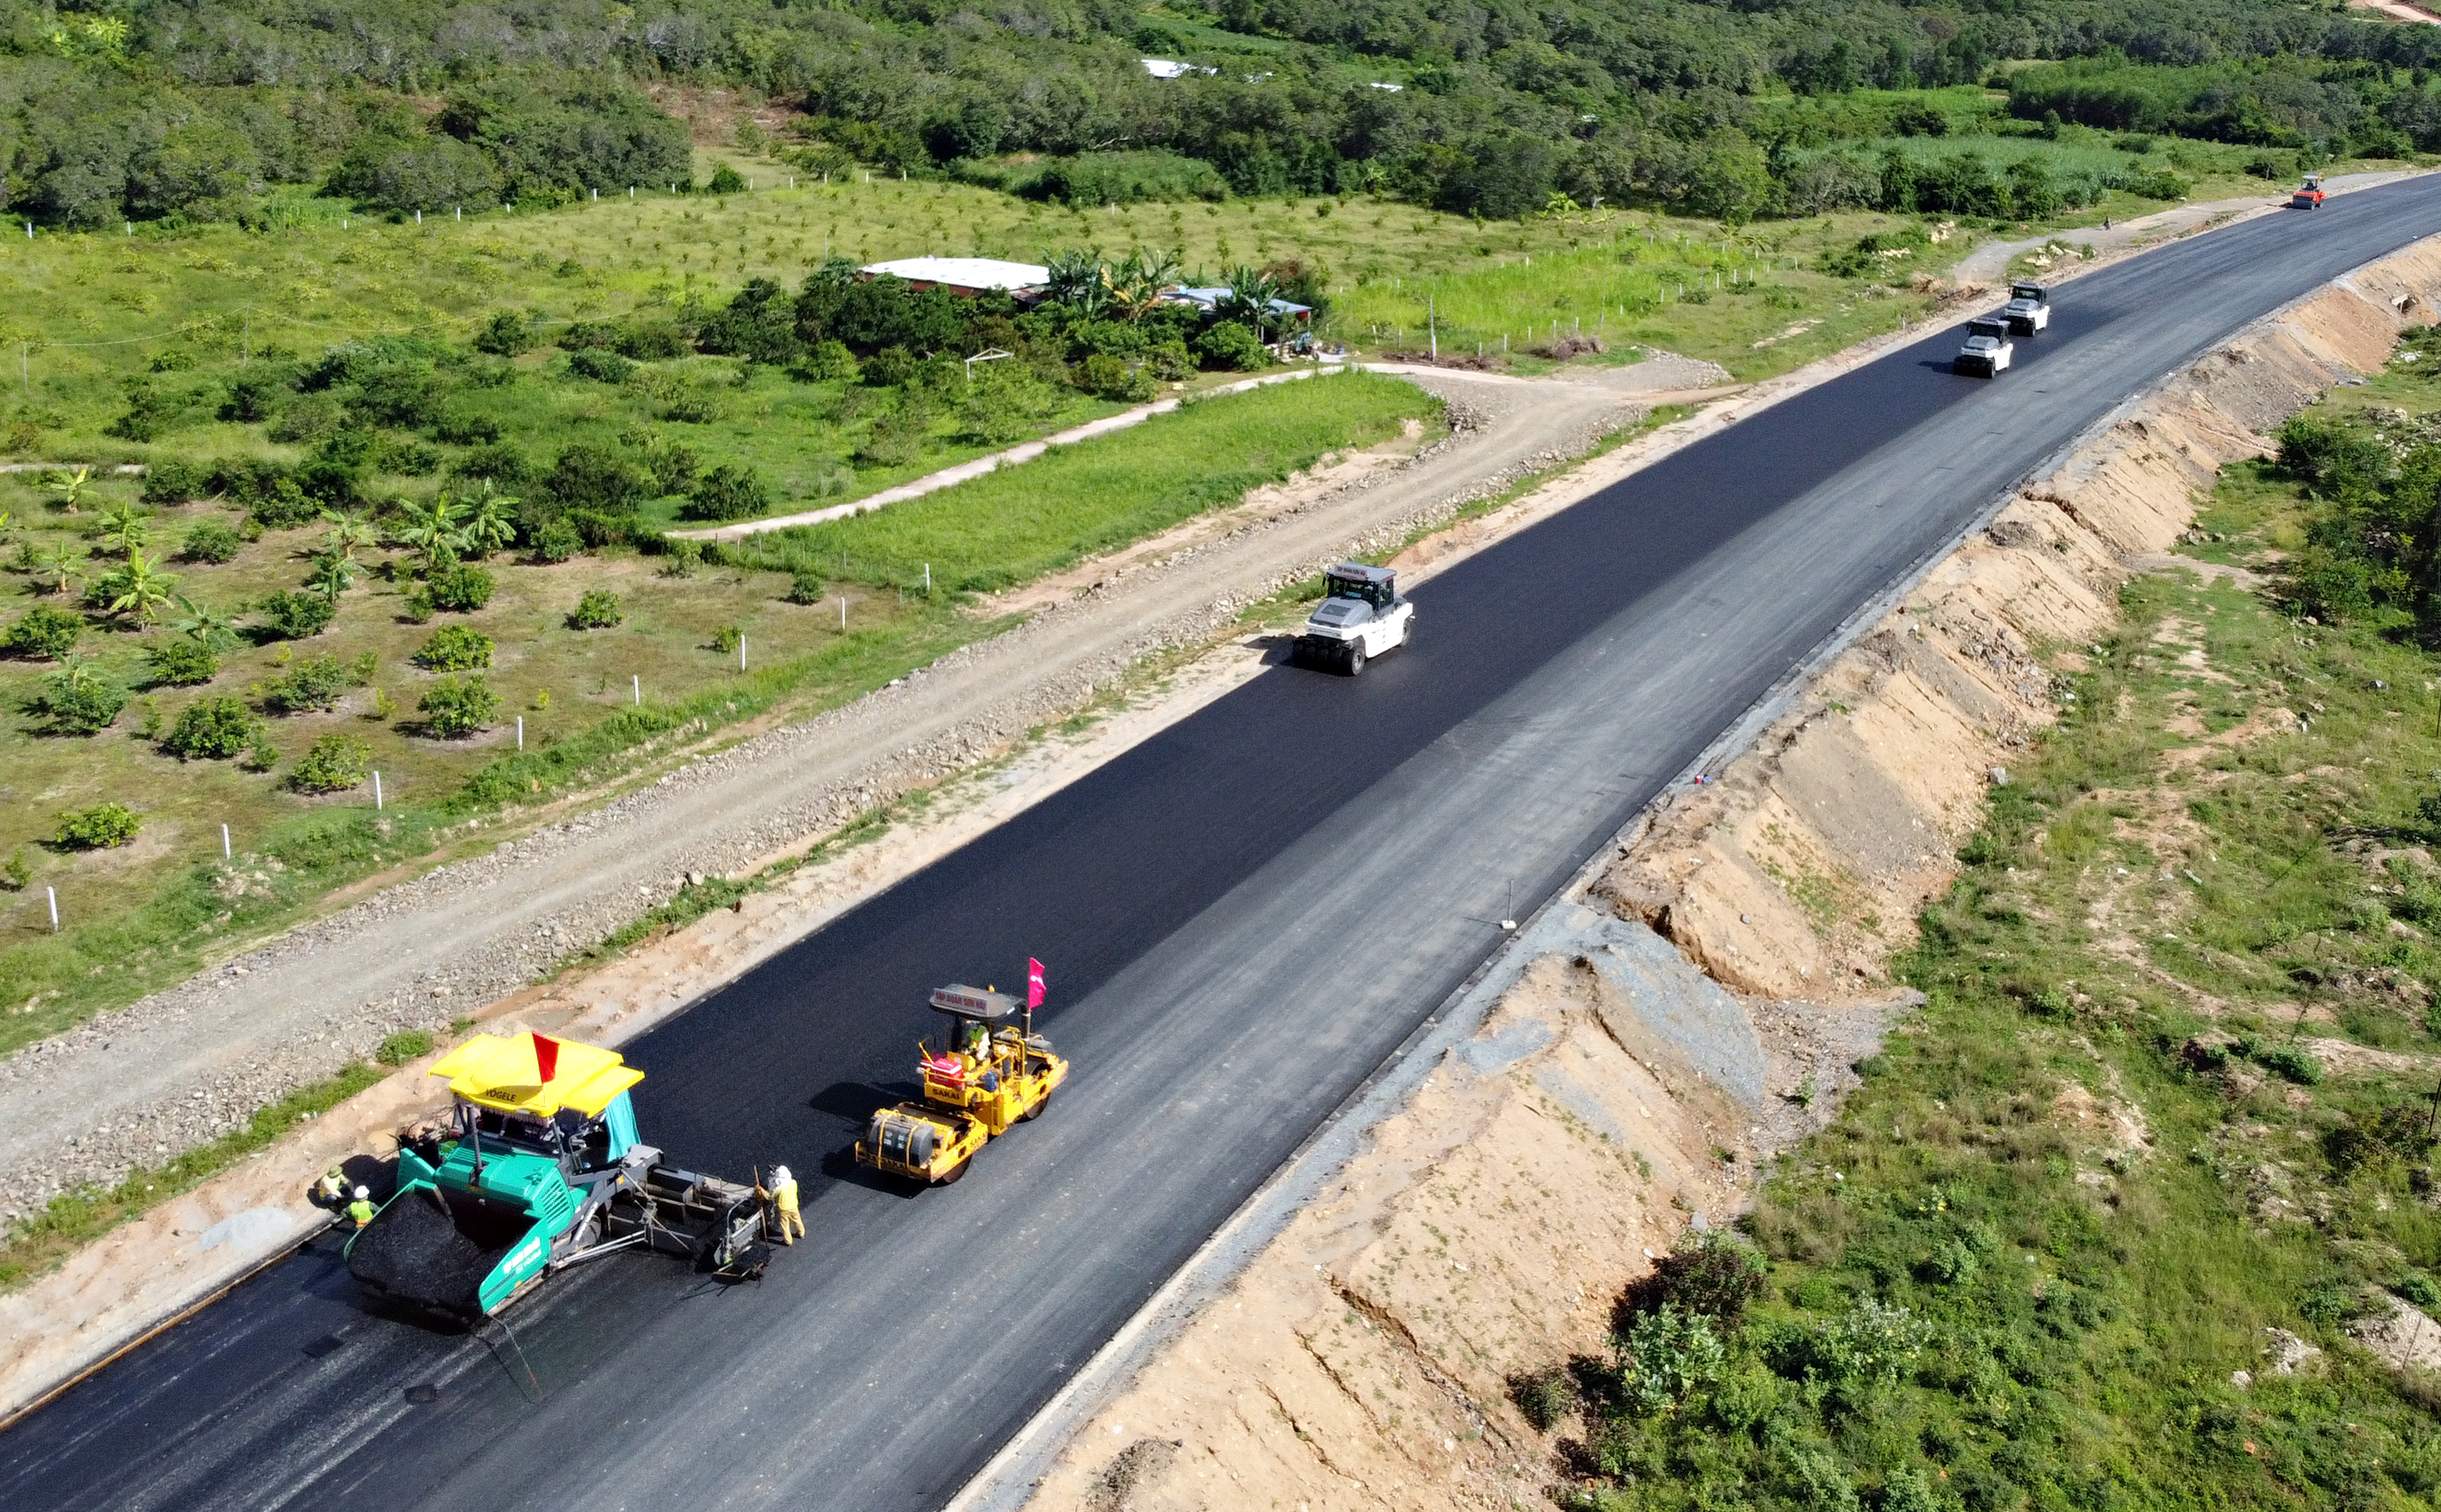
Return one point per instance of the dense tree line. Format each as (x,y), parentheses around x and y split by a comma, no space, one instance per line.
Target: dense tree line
(193,107)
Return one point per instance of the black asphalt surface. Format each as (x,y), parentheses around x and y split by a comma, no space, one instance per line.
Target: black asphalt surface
(1242,918)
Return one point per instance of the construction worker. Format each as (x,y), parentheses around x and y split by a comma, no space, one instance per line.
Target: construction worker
(362,1208)
(332,1191)
(782,1196)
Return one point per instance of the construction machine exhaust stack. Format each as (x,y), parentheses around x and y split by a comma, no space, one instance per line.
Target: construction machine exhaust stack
(541,1168)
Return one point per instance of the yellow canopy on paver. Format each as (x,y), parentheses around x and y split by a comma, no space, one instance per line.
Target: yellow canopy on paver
(536,1074)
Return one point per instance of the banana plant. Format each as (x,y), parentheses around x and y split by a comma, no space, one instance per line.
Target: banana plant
(1137,281)
(68,488)
(62,563)
(332,575)
(346,537)
(492,521)
(437,530)
(139,588)
(208,628)
(124,530)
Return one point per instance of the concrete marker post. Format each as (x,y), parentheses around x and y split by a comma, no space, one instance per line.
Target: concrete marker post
(51,896)
(636,684)
(741,653)
(521,732)
(225,842)
(377,793)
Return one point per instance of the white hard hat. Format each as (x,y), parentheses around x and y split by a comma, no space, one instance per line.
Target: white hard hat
(780,1172)
(363,1191)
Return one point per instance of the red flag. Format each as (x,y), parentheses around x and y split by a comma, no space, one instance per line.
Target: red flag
(1033,982)
(546,1056)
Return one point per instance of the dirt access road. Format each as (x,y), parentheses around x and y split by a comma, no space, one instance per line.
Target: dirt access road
(184,1065)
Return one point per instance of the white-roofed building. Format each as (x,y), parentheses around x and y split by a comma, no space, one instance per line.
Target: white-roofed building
(965,276)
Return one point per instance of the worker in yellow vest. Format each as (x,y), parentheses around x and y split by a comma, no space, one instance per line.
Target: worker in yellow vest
(362,1208)
(783,1196)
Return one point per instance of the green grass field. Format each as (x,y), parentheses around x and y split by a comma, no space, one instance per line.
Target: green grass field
(1978,1298)
(142,914)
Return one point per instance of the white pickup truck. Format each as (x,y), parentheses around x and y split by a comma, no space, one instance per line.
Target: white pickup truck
(1988,349)
(1360,616)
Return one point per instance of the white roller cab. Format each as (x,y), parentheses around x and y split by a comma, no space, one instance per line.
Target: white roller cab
(1988,351)
(1361,617)
(2029,309)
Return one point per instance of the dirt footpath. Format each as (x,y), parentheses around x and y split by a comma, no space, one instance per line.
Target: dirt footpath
(1364,1356)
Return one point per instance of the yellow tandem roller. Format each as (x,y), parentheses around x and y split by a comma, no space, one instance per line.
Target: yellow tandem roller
(991,1074)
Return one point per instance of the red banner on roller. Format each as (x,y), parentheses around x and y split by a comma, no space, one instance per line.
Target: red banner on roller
(1033,982)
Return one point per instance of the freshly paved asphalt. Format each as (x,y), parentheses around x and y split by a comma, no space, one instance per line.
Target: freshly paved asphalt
(1242,917)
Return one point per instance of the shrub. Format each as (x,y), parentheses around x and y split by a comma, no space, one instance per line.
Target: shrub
(600,364)
(212,729)
(210,541)
(597,610)
(183,662)
(455,648)
(727,493)
(457,706)
(77,700)
(292,615)
(505,335)
(806,588)
(557,541)
(726,180)
(45,630)
(728,638)
(1170,360)
(500,463)
(888,368)
(1667,1355)
(2289,1063)
(402,1047)
(173,482)
(830,361)
(460,588)
(590,477)
(332,763)
(97,828)
(1716,1276)
(1545,1397)
(314,683)
(284,506)
(464,427)
(692,409)
(1117,378)
(1231,348)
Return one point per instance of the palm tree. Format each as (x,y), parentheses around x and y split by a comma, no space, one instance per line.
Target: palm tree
(70,487)
(208,628)
(60,564)
(123,529)
(493,524)
(140,588)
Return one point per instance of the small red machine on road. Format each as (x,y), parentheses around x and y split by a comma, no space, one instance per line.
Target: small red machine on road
(2308,195)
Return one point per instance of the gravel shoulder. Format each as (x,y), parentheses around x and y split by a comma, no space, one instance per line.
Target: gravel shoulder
(186,1065)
